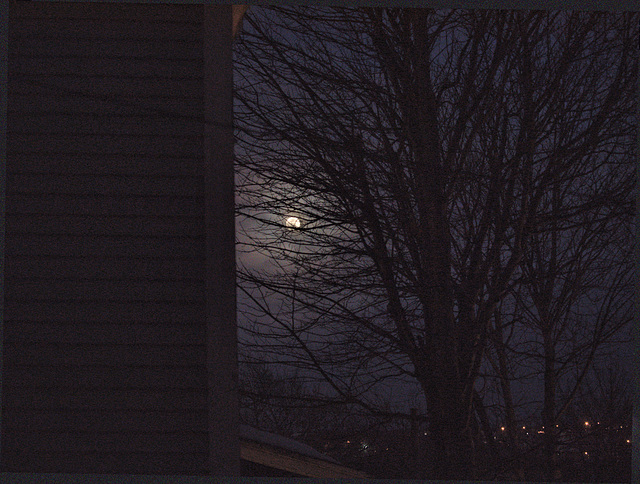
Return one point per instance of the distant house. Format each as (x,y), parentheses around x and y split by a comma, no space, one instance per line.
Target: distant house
(118,337)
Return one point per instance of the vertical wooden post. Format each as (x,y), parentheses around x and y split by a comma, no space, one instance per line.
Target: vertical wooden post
(220,242)
(4,54)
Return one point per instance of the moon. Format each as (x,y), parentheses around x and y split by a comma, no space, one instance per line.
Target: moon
(292,222)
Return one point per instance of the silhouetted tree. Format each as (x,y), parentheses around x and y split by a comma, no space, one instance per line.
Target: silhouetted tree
(419,150)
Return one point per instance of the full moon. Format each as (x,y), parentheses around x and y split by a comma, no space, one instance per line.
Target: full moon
(293,222)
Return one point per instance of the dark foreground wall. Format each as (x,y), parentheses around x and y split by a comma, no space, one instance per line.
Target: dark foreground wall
(119,322)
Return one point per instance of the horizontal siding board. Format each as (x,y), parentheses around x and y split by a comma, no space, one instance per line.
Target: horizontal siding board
(71,399)
(176,146)
(117,246)
(113,289)
(102,124)
(116,355)
(29,332)
(24,267)
(105,66)
(51,13)
(105,46)
(170,463)
(102,86)
(122,421)
(106,441)
(73,184)
(150,167)
(90,312)
(86,225)
(50,99)
(49,378)
(188,30)
(55,204)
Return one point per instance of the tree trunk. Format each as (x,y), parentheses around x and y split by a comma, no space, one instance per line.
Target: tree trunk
(548,412)
(453,450)
(450,453)
(510,414)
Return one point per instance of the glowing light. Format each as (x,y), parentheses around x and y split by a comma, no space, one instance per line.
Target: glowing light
(502,428)
(628,441)
(586,424)
(293,222)
(523,427)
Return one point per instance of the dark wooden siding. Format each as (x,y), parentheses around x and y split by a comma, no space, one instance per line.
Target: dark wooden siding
(104,365)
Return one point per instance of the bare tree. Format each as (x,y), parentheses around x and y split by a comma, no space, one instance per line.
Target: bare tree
(606,402)
(413,152)
(270,401)
(575,293)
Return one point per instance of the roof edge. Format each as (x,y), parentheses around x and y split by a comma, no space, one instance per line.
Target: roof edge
(295,463)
